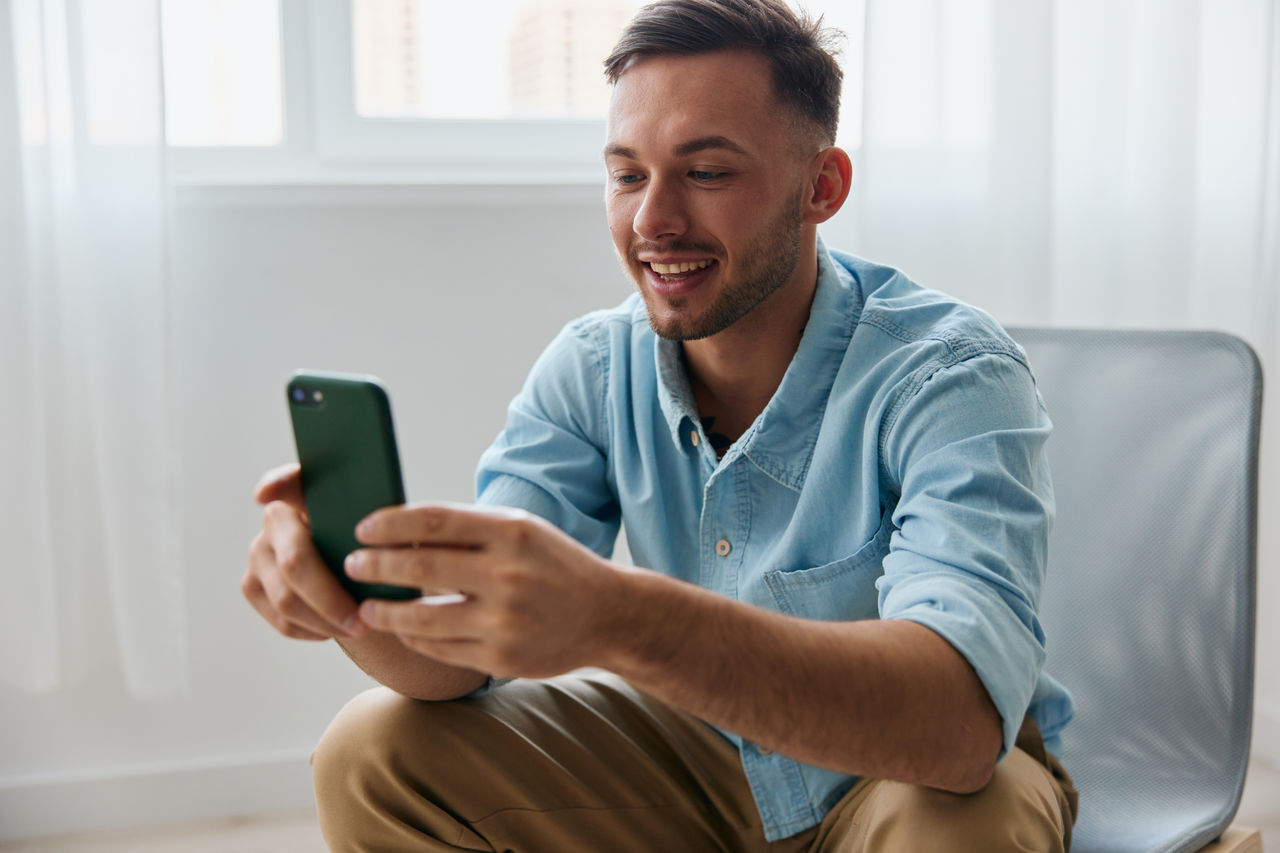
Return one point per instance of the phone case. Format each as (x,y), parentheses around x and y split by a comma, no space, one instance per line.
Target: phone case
(350,466)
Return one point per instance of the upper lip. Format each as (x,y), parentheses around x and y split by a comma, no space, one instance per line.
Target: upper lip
(674,259)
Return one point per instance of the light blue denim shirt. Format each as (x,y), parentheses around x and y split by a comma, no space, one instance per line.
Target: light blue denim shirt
(898,472)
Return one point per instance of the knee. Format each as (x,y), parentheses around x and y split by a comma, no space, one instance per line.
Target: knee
(360,745)
(1018,810)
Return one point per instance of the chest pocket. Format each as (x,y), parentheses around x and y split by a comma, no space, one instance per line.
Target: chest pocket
(839,591)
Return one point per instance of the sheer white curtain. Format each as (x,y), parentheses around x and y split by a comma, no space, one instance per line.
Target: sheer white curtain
(87,498)
(1088,162)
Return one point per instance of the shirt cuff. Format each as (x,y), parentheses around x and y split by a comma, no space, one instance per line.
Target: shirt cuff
(489,685)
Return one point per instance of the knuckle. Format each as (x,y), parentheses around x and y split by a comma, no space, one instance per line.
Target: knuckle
(250,587)
(291,565)
(511,578)
(417,568)
(288,602)
(523,528)
(283,600)
(432,518)
(278,513)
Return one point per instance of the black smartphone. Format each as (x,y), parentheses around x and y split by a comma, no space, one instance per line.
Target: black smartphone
(350,466)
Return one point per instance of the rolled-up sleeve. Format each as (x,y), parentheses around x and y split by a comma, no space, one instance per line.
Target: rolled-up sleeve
(965,450)
(551,458)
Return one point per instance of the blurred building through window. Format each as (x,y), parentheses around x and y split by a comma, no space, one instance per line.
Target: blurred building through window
(387,49)
(222,72)
(416,59)
(556,52)
(522,58)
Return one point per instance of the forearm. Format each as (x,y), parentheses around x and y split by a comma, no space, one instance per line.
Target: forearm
(386,660)
(885,699)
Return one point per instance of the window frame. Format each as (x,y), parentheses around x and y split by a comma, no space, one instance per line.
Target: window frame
(325,142)
(325,139)
(445,150)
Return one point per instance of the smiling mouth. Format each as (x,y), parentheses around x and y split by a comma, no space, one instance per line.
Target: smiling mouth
(678,270)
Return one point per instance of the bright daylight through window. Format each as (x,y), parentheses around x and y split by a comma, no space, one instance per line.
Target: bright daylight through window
(223,84)
(403,64)
(532,59)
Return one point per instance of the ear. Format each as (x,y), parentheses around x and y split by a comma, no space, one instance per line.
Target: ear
(830,178)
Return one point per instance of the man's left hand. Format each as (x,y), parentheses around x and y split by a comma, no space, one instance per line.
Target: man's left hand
(535,599)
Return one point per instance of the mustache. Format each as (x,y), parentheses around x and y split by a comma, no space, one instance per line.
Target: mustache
(634,250)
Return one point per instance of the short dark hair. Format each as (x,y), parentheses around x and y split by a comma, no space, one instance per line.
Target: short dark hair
(801,51)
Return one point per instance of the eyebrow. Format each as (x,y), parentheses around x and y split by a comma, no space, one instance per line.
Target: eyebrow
(684,149)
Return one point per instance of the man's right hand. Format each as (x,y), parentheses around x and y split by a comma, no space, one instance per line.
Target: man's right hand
(287,581)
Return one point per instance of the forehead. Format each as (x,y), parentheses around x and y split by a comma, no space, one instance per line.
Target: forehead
(669,99)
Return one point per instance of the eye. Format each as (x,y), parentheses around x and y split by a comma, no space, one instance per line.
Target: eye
(705,176)
(627,179)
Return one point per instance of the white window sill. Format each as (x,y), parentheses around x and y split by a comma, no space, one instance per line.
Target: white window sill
(382,188)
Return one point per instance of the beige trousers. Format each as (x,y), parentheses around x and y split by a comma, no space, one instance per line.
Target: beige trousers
(585,762)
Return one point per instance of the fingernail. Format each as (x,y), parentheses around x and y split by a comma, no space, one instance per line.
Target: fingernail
(353,626)
(354,564)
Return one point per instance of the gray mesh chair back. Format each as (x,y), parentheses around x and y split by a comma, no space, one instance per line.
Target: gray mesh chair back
(1149,602)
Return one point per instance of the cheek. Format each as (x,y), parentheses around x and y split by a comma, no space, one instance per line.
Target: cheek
(620,215)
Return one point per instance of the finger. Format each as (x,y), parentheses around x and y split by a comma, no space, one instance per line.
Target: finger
(424,619)
(302,585)
(273,600)
(291,610)
(283,483)
(435,567)
(439,524)
(257,598)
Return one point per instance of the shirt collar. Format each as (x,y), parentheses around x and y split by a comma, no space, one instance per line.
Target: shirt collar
(782,438)
(675,396)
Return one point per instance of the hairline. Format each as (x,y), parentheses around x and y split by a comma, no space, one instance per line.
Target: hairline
(809,135)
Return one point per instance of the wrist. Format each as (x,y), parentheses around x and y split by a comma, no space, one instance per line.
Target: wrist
(647,625)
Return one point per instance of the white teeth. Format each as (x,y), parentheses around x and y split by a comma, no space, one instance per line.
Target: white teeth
(672,269)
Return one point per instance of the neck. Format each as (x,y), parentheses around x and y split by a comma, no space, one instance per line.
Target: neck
(734,373)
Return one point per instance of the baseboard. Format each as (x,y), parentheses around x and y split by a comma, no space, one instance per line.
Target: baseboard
(153,795)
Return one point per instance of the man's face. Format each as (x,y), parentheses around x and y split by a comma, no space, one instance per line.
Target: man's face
(705,186)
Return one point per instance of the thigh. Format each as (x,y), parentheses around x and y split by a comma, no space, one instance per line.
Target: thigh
(580,762)
(1022,808)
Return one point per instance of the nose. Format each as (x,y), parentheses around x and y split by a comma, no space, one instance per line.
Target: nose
(662,213)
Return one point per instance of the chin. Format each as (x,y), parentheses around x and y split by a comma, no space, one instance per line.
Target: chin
(673,324)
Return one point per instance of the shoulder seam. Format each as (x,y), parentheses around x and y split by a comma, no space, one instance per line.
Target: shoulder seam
(920,377)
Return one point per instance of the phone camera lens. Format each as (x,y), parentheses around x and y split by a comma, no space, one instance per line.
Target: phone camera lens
(299,395)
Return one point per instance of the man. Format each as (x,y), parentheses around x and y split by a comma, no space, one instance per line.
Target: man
(799,442)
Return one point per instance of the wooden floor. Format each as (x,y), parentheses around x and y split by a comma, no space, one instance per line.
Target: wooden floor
(296,832)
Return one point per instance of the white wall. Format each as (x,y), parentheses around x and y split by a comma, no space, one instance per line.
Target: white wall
(448,295)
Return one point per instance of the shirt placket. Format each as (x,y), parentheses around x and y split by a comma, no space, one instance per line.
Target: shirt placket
(721,535)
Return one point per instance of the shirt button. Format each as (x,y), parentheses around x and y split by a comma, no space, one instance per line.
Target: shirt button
(693,436)
(723,547)
(764,750)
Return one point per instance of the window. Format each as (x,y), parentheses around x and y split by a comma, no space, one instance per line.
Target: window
(530,59)
(509,91)
(222,73)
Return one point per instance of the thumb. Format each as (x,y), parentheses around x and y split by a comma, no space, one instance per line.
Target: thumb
(281,484)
